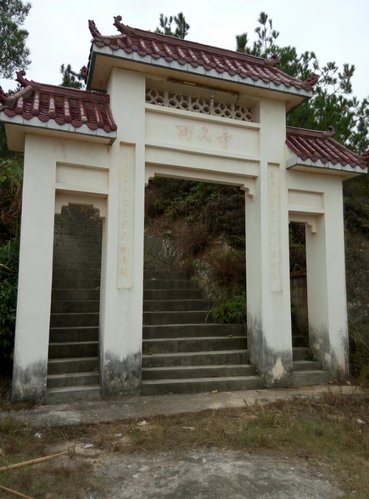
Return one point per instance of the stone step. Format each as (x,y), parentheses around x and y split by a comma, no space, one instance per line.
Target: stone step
(190,317)
(73,365)
(74,306)
(73,349)
(302,353)
(177,345)
(172,294)
(72,273)
(75,294)
(215,371)
(192,330)
(196,358)
(74,319)
(176,305)
(169,284)
(77,283)
(69,334)
(72,393)
(73,379)
(315,377)
(88,261)
(198,385)
(306,365)
(165,274)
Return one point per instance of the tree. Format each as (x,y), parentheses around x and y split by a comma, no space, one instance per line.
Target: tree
(332,102)
(14,53)
(13,57)
(71,78)
(181,26)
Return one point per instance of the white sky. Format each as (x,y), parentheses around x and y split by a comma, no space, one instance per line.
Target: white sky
(336,30)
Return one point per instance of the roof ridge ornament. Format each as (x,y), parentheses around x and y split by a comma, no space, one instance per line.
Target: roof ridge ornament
(330,132)
(93,29)
(273,60)
(21,78)
(84,72)
(3,96)
(365,155)
(311,81)
(119,25)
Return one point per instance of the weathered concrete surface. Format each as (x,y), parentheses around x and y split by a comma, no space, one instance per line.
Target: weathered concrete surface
(146,406)
(212,473)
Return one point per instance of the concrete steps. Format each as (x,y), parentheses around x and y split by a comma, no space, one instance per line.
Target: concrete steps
(73,366)
(192,330)
(72,394)
(307,371)
(183,351)
(196,385)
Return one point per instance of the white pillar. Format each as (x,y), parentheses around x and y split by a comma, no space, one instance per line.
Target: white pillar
(326,284)
(122,273)
(267,255)
(35,271)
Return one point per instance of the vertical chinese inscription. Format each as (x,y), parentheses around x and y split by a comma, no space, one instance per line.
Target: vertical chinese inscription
(274,227)
(126,215)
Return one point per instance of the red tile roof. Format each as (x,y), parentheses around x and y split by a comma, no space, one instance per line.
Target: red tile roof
(60,105)
(193,55)
(315,146)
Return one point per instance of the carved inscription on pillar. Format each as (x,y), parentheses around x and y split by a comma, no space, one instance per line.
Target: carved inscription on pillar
(274,227)
(126,216)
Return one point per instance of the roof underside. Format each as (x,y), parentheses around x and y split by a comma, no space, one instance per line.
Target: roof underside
(162,51)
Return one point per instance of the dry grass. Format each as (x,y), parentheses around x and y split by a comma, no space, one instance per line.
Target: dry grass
(331,431)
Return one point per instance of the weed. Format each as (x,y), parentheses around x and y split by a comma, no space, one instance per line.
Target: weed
(232,311)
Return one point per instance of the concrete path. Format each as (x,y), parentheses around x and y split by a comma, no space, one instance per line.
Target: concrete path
(104,411)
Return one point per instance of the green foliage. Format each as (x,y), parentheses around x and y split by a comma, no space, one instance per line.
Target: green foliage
(10,208)
(232,311)
(10,197)
(332,102)
(359,352)
(297,247)
(180,29)
(8,299)
(14,53)
(71,78)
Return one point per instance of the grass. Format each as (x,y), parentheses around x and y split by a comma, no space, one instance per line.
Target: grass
(331,432)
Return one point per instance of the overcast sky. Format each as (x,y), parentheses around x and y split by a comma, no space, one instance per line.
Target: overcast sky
(336,30)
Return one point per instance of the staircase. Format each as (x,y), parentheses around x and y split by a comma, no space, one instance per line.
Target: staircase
(183,350)
(306,370)
(73,367)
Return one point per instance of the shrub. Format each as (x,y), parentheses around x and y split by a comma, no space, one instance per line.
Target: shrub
(8,299)
(359,353)
(232,311)
(228,268)
(190,240)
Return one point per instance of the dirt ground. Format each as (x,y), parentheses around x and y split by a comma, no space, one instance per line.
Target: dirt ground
(306,444)
(209,473)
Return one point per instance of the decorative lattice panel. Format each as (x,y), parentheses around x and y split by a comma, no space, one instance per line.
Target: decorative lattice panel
(199,105)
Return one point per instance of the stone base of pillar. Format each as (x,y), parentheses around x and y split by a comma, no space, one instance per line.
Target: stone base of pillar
(121,376)
(29,383)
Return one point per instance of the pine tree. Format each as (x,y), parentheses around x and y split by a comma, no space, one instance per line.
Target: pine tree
(181,26)
(332,102)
